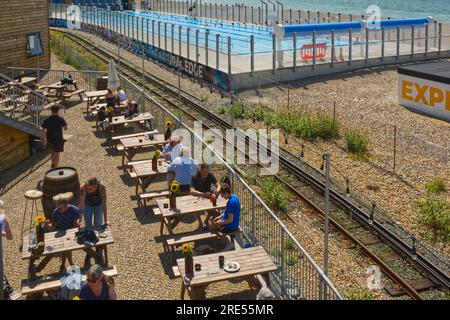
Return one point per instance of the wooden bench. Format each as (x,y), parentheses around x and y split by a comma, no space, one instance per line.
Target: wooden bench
(132,135)
(53,282)
(151,195)
(78,92)
(179,239)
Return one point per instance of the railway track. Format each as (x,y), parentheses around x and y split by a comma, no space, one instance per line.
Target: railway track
(298,175)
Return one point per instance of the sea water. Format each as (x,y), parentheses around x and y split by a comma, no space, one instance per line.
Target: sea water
(439,9)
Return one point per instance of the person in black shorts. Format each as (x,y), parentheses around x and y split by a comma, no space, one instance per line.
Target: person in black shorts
(52,134)
(204,184)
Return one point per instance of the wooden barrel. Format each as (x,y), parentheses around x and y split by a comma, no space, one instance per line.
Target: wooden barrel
(56,181)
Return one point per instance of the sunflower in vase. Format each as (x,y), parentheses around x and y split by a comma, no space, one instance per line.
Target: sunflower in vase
(39,222)
(188,259)
(169,125)
(155,158)
(174,188)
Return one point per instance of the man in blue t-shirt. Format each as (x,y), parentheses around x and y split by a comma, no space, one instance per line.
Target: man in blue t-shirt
(65,216)
(229,221)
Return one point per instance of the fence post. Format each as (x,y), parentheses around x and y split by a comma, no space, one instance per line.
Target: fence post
(314,49)
(426,39)
(398,43)
(206,47)
(283,263)
(435,33)
(217,51)
(253,221)
(172,40)
(350,46)
(229,56)
(382,43)
(333,51)
(395,147)
(188,31)
(367,45)
(252,54)
(179,40)
(165,36)
(153,32)
(339,17)
(294,45)
(274,53)
(412,41)
(440,38)
(196,44)
(159,34)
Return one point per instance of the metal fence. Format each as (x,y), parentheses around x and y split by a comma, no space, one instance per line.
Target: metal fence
(298,276)
(248,48)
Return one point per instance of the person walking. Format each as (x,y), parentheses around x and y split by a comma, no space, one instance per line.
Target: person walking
(52,134)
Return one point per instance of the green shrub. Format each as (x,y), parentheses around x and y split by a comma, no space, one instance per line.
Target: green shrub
(436,186)
(325,127)
(289,244)
(434,213)
(290,261)
(356,143)
(361,294)
(276,253)
(238,110)
(222,110)
(259,113)
(274,194)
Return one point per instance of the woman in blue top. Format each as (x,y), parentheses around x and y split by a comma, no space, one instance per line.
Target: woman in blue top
(98,286)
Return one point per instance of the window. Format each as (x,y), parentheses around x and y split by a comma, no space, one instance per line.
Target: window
(34,44)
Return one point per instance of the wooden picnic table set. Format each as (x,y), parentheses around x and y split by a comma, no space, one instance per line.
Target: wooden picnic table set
(62,91)
(133,145)
(121,121)
(247,263)
(57,243)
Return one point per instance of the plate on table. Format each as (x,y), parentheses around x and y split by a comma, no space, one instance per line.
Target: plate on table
(231,266)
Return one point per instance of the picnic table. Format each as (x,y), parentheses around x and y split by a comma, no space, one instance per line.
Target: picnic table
(143,172)
(133,145)
(24,81)
(186,205)
(120,121)
(62,91)
(58,242)
(253,261)
(93,97)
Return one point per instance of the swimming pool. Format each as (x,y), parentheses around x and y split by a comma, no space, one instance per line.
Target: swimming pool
(239,33)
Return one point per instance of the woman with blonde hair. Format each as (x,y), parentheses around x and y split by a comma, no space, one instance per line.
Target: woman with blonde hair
(98,286)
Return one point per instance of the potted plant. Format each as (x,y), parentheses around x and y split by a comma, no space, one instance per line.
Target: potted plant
(168,133)
(155,160)
(174,188)
(39,225)
(188,259)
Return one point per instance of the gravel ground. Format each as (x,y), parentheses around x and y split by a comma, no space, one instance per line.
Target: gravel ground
(143,266)
(366,101)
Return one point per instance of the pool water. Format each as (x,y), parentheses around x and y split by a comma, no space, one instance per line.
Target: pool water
(238,32)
